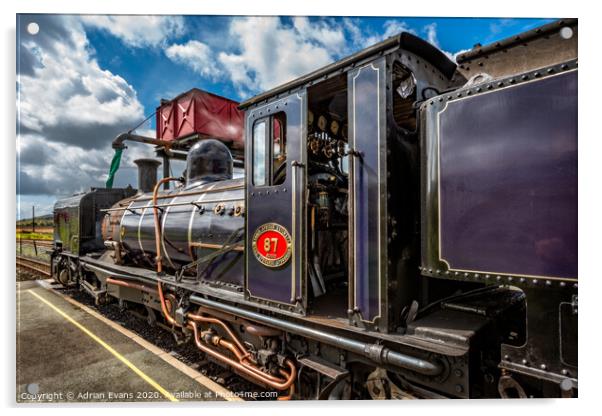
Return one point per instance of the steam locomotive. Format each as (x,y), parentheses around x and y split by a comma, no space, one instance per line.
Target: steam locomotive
(405,227)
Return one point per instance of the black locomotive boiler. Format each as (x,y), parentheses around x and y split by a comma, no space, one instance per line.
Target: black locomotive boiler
(406,227)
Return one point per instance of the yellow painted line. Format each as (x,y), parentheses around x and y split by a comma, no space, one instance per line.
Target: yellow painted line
(106,346)
(165,356)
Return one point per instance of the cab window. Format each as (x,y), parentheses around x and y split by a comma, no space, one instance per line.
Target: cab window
(269,150)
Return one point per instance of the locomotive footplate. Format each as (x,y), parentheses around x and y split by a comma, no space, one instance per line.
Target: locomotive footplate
(452,358)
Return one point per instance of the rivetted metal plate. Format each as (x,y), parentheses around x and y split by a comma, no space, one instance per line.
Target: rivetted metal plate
(507,179)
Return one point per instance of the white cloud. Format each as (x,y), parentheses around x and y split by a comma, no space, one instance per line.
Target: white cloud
(431,37)
(270,53)
(196,55)
(329,35)
(68,91)
(70,109)
(138,30)
(391,28)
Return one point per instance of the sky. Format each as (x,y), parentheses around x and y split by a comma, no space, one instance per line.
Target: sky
(83,79)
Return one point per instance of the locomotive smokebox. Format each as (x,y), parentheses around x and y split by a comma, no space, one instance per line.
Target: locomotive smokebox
(147,174)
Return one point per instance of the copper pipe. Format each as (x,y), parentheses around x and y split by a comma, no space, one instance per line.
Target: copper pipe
(291,391)
(169,318)
(226,328)
(250,327)
(158,236)
(158,239)
(260,377)
(131,285)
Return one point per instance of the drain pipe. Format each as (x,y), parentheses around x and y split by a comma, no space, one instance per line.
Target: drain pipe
(377,353)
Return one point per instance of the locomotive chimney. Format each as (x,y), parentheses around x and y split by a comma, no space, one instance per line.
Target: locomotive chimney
(147,174)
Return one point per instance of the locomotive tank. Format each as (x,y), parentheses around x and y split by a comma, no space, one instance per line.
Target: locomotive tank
(201,220)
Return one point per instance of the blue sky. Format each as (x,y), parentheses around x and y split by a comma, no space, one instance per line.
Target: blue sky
(84,79)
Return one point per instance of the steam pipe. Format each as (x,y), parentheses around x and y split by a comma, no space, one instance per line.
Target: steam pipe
(374,352)
(158,238)
(118,141)
(199,318)
(245,362)
(261,377)
(131,285)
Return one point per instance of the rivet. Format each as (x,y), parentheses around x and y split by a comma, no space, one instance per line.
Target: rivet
(562,284)
(498,278)
(564,372)
(465,274)
(506,357)
(524,77)
(524,361)
(535,281)
(575,285)
(499,84)
(537,74)
(543,366)
(522,280)
(487,276)
(548,283)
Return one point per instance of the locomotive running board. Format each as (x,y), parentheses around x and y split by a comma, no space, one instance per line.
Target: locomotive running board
(150,277)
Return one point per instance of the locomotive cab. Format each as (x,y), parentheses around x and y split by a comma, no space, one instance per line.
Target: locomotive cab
(331,185)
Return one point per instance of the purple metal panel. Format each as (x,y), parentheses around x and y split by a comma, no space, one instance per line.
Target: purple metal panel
(281,204)
(364,85)
(508,180)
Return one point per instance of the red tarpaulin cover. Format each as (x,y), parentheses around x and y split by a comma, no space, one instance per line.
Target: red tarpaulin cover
(200,112)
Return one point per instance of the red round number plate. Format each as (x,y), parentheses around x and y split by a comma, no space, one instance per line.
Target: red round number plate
(272,245)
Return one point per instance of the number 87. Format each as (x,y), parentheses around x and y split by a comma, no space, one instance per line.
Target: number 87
(270,244)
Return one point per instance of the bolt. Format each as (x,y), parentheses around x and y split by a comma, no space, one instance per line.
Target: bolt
(459,388)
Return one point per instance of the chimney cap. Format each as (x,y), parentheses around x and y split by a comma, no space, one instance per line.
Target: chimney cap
(147,161)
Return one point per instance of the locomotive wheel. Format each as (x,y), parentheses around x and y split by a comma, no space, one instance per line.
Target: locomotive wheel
(64,276)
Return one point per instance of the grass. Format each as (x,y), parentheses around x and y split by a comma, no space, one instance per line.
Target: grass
(42,221)
(26,235)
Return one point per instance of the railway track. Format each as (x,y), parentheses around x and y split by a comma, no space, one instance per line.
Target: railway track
(39,243)
(33,265)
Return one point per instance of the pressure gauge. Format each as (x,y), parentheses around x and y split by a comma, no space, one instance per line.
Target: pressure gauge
(334,127)
(322,123)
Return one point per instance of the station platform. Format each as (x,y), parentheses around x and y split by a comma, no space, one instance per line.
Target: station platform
(66,352)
